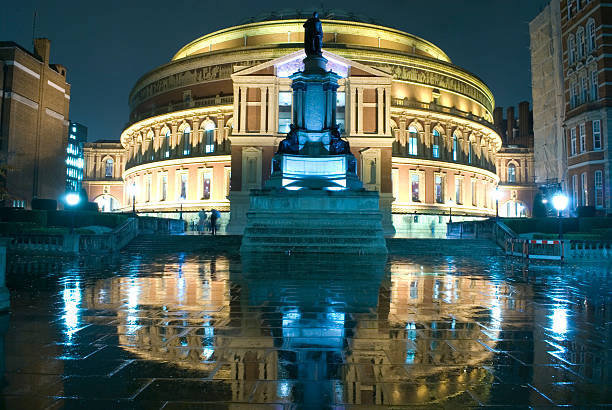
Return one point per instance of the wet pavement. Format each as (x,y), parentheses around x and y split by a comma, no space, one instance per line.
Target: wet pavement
(195,331)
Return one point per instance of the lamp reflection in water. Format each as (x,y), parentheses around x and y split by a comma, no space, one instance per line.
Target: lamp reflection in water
(72,299)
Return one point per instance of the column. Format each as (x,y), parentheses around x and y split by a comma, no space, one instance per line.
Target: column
(243,107)
(350,108)
(195,133)
(270,108)
(173,135)
(156,131)
(360,110)
(236,105)
(263,98)
(388,111)
(402,131)
(380,109)
(427,137)
(220,128)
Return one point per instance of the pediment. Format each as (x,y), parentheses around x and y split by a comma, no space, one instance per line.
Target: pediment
(286,65)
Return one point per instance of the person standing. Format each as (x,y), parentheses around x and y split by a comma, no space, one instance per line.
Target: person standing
(213,221)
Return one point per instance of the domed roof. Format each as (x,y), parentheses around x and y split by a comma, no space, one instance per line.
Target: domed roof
(305,13)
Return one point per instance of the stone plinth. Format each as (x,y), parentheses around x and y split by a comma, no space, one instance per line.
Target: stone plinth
(314,221)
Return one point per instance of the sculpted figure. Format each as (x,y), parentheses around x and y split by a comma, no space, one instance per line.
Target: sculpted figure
(290,144)
(313,35)
(338,146)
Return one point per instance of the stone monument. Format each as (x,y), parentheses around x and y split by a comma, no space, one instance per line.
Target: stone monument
(314,202)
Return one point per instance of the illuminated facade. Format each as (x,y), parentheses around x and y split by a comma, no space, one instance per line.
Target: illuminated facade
(204,127)
(77,135)
(104,165)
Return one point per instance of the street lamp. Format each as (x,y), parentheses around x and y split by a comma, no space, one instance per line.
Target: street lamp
(132,193)
(72,199)
(450,210)
(497,195)
(181,199)
(560,202)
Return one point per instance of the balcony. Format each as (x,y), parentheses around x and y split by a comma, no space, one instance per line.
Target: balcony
(182,105)
(405,103)
(166,153)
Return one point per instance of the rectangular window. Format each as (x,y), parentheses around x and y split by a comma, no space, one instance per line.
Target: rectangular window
(582,137)
(455,148)
(395,183)
(575,197)
(571,51)
(474,192)
(577,94)
(585,90)
(580,44)
(572,97)
(340,110)
(584,197)
(148,187)
(436,145)
(206,183)
(599,189)
(458,191)
(209,139)
(164,187)
(594,86)
(597,134)
(182,194)
(591,34)
(412,145)
(573,141)
(228,181)
(284,111)
(439,188)
(414,186)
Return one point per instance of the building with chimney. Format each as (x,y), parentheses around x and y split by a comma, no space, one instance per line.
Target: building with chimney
(34,103)
(515,161)
(586,28)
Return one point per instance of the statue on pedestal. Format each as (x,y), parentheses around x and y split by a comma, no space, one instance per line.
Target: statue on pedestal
(290,144)
(313,35)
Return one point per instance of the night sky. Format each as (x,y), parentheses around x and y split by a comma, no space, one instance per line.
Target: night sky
(108,45)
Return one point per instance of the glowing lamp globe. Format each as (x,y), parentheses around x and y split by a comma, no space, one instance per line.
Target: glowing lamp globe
(73,199)
(560,202)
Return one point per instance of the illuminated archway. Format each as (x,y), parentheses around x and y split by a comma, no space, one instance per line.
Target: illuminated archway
(107,203)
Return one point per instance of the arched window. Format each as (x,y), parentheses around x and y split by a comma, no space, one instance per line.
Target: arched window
(186,140)
(209,137)
(571,49)
(580,44)
(436,144)
(591,35)
(455,147)
(108,169)
(165,143)
(413,140)
(511,173)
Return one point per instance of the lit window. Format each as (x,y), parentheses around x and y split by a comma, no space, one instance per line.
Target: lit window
(186,140)
(183,186)
(458,190)
(598,189)
(439,189)
(584,197)
(284,111)
(340,110)
(455,147)
(597,134)
(209,137)
(206,179)
(108,171)
(575,190)
(414,182)
(511,173)
(436,144)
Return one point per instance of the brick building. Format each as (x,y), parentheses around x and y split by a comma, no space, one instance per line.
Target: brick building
(33,123)
(515,161)
(586,29)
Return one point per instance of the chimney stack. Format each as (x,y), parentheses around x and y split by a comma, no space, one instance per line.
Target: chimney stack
(511,123)
(524,119)
(498,119)
(42,48)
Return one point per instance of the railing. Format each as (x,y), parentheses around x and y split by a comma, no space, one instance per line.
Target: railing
(223,148)
(148,224)
(183,105)
(406,103)
(43,243)
(585,251)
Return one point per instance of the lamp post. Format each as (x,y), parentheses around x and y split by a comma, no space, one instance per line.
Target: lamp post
(72,200)
(497,195)
(133,195)
(450,210)
(560,202)
(181,199)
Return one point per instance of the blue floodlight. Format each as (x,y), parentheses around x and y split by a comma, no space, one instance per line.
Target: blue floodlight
(73,199)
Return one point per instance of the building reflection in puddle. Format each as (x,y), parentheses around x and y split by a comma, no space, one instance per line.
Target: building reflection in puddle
(313,331)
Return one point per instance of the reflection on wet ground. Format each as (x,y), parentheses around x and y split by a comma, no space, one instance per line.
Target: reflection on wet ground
(194,331)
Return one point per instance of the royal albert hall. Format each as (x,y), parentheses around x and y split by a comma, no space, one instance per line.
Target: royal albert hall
(203,128)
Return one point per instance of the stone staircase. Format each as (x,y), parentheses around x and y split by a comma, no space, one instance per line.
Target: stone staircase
(165,243)
(160,244)
(443,247)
